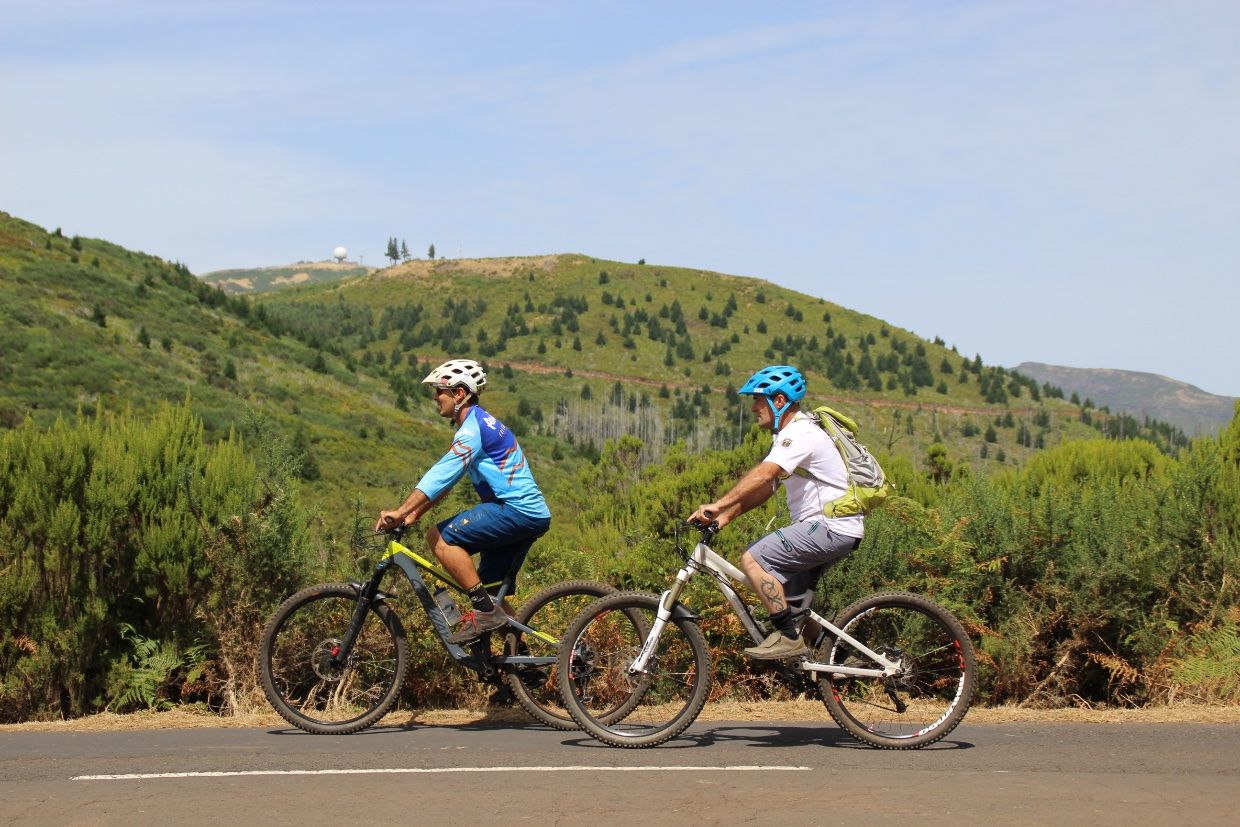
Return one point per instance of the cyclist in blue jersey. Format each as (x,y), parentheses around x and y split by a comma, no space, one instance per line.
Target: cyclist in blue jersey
(512,514)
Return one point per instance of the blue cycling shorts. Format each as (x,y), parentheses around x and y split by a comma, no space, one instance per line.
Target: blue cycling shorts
(500,535)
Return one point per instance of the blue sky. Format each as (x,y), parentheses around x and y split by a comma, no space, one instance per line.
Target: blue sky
(1045,181)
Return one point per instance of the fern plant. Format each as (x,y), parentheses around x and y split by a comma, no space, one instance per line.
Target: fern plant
(1211,671)
(142,678)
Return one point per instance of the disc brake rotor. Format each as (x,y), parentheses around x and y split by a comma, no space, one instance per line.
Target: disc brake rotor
(321,660)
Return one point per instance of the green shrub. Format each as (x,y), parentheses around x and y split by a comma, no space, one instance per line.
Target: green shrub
(128,545)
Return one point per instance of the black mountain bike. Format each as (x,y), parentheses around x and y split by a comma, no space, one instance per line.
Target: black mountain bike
(896,670)
(333,657)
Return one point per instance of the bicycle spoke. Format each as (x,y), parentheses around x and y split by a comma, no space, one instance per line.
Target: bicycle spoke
(536,686)
(303,681)
(617,704)
(927,695)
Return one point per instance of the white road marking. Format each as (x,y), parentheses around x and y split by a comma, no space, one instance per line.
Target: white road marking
(142,776)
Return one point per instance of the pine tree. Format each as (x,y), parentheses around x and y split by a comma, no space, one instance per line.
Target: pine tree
(392,253)
(430,252)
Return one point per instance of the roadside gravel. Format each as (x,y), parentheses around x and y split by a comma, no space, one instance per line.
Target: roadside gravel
(765,711)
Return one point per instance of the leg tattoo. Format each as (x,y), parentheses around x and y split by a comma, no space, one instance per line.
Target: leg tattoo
(773,593)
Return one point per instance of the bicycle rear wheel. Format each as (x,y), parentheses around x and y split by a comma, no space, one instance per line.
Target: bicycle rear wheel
(294,661)
(614,704)
(930,694)
(536,686)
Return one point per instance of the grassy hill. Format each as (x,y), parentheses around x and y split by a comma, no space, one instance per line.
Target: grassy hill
(265,279)
(1185,406)
(90,326)
(600,348)
(580,350)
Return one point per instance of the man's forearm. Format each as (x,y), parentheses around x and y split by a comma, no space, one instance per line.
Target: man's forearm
(415,505)
(754,488)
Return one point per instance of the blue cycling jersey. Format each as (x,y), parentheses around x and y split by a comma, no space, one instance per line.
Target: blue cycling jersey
(485,448)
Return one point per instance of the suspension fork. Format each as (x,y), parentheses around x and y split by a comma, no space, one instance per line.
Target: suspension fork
(367,594)
(667,602)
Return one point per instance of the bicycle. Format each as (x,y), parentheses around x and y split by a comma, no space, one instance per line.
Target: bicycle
(333,657)
(894,669)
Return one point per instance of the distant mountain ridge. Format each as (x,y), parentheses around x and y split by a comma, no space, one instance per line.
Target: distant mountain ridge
(1194,411)
(267,279)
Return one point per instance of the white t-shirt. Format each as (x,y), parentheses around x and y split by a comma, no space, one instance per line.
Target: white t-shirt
(800,443)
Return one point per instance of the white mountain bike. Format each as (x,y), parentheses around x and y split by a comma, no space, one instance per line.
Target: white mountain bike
(895,669)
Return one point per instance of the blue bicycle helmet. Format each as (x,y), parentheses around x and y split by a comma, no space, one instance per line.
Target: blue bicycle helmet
(775,379)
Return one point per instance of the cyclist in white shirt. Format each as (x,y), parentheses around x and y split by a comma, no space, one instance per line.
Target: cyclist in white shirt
(783,567)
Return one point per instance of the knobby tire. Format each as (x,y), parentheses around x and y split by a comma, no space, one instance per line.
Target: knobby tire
(935,686)
(536,687)
(294,661)
(625,710)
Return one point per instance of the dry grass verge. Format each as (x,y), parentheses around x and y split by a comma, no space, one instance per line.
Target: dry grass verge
(726,711)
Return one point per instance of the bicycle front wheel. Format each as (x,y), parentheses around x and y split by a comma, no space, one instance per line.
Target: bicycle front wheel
(616,704)
(295,661)
(930,693)
(548,613)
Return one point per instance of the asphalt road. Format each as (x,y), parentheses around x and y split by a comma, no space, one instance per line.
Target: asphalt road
(789,773)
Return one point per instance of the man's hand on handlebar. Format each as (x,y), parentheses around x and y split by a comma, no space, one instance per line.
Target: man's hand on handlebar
(389,520)
(710,513)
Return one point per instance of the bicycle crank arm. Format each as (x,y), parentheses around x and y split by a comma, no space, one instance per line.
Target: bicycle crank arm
(525,660)
(834,669)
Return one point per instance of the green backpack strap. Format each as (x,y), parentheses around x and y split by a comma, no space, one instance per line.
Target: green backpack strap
(873,489)
(845,420)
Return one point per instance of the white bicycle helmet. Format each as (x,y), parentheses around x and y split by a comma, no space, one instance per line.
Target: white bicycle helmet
(463,373)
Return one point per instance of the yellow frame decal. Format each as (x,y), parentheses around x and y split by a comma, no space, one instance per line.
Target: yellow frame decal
(421,562)
(395,548)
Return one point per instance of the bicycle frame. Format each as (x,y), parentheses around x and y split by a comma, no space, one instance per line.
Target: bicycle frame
(412,565)
(723,575)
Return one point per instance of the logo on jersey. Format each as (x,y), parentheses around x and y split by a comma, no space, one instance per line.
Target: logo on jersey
(490,422)
(786,443)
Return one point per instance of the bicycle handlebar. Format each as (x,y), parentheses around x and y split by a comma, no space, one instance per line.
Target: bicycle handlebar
(708,530)
(394,533)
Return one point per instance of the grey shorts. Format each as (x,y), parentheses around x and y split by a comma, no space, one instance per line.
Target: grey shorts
(796,556)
